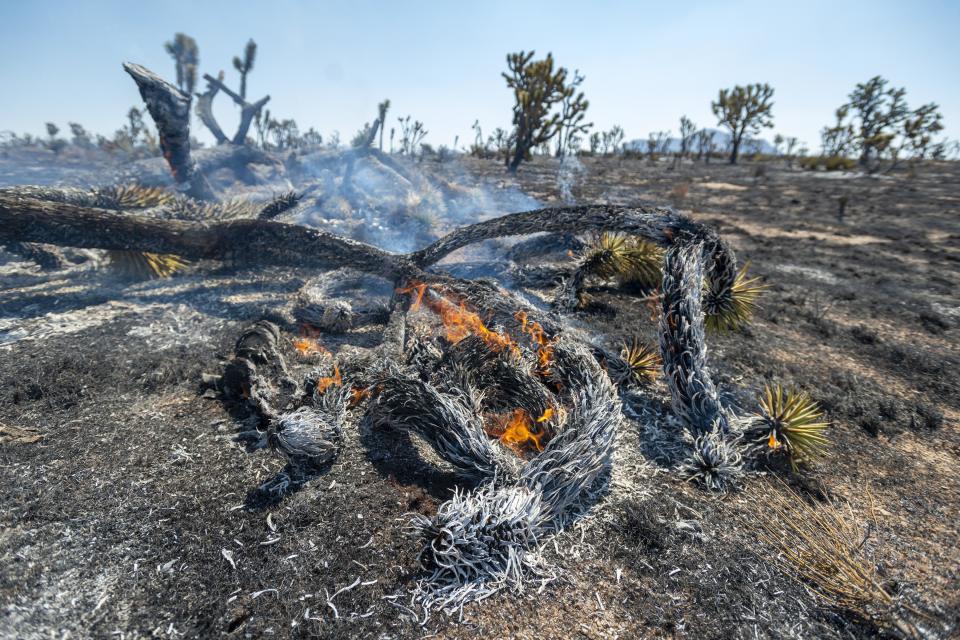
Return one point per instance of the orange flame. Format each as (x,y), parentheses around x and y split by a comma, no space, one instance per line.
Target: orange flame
(546,415)
(325,383)
(457,319)
(357,396)
(308,344)
(514,430)
(773,443)
(539,336)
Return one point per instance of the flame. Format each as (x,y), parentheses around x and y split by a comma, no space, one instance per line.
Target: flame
(539,336)
(325,383)
(358,395)
(546,415)
(458,321)
(420,288)
(514,431)
(772,442)
(308,343)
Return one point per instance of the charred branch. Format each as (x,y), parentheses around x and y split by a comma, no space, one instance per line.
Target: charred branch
(170,110)
(248,111)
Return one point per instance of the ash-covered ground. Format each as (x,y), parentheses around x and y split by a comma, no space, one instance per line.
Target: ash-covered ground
(128,509)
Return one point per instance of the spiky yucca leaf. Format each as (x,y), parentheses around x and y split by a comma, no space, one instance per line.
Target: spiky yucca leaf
(606,255)
(643,361)
(279,205)
(642,263)
(730,309)
(791,421)
(624,257)
(136,264)
(134,196)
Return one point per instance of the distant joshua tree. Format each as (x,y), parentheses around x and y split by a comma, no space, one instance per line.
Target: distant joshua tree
(246,65)
(382,109)
(573,112)
(537,89)
(743,110)
(877,126)
(657,142)
(411,135)
(183,49)
(612,139)
(688,131)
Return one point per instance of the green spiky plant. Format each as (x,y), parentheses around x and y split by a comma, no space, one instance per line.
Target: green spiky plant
(643,264)
(731,309)
(627,258)
(135,264)
(607,254)
(142,265)
(792,423)
(642,360)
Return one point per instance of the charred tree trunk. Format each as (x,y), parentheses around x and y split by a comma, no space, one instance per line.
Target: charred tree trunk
(248,242)
(170,110)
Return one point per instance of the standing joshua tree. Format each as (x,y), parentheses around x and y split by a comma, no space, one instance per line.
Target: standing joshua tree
(537,88)
(382,109)
(744,110)
(183,49)
(573,112)
(244,66)
(687,132)
(877,125)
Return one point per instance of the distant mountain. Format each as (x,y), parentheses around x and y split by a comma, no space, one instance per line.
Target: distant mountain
(721,142)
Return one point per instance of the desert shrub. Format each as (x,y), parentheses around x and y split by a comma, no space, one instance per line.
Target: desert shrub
(839,163)
(809,163)
(679,192)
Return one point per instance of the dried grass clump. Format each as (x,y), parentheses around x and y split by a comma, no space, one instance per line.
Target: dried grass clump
(729,308)
(822,547)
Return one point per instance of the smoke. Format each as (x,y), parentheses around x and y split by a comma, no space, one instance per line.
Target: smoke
(398,204)
(569,174)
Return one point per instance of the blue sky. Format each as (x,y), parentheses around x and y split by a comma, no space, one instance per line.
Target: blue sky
(328,64)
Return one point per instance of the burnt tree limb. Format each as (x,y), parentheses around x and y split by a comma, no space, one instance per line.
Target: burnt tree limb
(243,242)
(247,110)
(696,254)
(170,109)
(247,242)
(204,111)
(661,225)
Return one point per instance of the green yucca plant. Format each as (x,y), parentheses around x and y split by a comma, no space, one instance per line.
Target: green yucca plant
(627,258)
(135,196)
(607,254)
(136,264)
(731,309)
(642,360)
(642,264)
(790,421)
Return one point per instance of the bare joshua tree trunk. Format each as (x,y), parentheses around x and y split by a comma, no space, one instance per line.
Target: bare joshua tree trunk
(170,110)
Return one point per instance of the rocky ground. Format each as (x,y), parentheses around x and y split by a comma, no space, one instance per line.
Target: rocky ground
(127,508)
